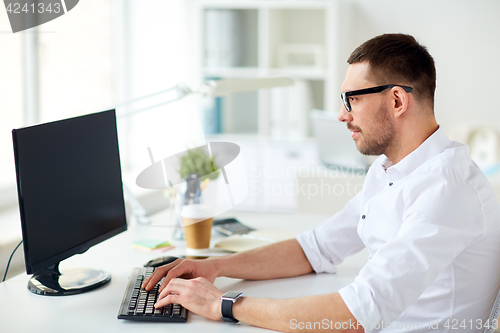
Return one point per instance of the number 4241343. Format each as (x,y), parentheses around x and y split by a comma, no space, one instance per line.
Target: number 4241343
(40,8)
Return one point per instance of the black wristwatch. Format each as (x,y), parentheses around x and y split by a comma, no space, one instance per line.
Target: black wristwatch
(228,300)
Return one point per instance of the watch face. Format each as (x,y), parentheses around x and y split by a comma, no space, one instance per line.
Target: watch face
(231,294)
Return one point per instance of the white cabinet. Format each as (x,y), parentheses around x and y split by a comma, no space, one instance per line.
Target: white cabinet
(249,39)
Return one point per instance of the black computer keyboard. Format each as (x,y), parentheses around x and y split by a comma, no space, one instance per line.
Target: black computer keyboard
(138,304)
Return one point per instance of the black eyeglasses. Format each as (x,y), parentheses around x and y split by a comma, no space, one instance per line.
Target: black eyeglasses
(345,95)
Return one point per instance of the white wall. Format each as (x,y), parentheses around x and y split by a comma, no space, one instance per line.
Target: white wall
(157,57)
(463,36)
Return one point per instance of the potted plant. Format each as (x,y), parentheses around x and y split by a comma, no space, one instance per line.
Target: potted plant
(197,168)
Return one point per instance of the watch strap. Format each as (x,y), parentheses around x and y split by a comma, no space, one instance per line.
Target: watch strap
(227,311)
(227,301)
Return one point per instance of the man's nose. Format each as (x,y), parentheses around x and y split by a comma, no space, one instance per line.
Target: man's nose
(344,116)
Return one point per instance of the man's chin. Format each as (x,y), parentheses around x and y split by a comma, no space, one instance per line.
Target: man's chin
(364,150)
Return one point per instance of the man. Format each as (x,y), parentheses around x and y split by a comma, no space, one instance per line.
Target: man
(426,213)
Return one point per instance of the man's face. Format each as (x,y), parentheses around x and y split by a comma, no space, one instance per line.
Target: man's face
(372,128)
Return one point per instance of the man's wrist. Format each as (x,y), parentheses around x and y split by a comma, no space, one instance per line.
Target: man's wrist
(217,264)
(220,265)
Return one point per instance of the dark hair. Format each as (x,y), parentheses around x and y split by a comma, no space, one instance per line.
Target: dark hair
(399,59)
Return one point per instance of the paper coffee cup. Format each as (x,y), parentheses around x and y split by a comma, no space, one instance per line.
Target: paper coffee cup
(197,221)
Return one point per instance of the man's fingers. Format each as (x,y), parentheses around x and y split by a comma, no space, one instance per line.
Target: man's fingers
(197,295)
(169,299)
(151,281)
(168,277)
(157,275)
(175,286)
(175,272)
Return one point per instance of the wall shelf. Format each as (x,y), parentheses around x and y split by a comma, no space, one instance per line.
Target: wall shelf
(251,39)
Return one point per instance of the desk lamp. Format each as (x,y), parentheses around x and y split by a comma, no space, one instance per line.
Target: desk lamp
(212,88)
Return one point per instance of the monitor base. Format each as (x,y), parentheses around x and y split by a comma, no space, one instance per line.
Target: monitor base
(50,282)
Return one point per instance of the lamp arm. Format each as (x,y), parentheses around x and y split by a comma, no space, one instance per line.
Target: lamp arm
(212,89)
(181,90)
(218,88)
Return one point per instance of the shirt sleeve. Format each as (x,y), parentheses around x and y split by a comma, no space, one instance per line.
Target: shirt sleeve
(334,239)
(442,216)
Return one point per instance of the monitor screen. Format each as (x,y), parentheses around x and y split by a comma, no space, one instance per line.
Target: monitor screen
(69,187)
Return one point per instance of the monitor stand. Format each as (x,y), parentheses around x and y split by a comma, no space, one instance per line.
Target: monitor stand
(51,282)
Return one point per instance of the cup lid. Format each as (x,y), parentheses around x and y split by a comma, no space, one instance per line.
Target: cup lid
(196,211)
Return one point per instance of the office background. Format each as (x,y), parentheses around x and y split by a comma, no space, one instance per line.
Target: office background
(105,52)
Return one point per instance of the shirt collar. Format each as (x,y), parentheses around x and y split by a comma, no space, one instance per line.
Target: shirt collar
(431,147)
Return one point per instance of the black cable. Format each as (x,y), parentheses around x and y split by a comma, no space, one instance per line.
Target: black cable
(8,264)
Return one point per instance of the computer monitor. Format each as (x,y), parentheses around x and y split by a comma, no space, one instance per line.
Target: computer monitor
(335,145)
(70,194)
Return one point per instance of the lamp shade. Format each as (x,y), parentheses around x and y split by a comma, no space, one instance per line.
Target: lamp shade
(230,86)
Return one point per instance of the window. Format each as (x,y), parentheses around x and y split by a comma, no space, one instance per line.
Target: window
(76,62)
(67,63)
(11,97)
(99,54)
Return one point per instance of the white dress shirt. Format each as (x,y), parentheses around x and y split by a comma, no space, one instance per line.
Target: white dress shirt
(431,224)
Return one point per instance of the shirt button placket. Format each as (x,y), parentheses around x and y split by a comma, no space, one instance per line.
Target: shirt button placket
(364,214)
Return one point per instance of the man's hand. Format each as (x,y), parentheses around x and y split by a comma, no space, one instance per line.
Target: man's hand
(183,268)
(197,295)
(282,259)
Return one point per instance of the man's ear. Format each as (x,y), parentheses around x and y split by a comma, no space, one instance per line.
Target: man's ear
(399,100)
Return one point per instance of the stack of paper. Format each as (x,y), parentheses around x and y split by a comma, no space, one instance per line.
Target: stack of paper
(254,239)
(154,245)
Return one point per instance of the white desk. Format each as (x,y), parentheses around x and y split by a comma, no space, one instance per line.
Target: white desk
(96,311)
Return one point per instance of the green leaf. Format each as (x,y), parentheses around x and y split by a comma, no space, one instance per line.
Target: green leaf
(197,161)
